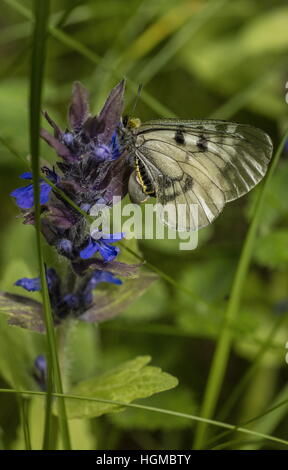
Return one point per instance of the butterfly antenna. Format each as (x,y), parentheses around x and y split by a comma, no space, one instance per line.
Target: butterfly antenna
(127,117)
(137,98)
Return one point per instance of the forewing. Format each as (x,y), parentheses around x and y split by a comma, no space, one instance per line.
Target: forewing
(207,163)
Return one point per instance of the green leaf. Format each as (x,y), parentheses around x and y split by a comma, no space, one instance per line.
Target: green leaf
(272,250)
(21,311)
(128,382)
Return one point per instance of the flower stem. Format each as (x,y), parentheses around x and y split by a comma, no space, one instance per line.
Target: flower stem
(41,10)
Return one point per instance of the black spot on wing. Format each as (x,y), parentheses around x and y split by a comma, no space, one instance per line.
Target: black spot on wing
(179,137)
(202,143)
(166,191)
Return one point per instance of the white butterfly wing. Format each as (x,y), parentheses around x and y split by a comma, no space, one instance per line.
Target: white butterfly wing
(205,163)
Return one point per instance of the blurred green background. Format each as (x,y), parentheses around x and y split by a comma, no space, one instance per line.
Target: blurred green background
(196,59)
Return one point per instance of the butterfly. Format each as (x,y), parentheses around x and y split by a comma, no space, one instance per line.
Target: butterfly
(204,163)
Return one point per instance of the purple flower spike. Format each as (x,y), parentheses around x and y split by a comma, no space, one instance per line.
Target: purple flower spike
(93,169)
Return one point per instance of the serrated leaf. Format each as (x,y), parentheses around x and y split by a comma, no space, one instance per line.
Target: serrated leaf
(22,311)
(128,382)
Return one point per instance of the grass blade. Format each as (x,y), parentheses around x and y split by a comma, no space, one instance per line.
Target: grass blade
(157,410)
(41,9)
(25,423)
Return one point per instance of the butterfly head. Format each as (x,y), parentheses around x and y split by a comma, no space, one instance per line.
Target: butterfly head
(131,123)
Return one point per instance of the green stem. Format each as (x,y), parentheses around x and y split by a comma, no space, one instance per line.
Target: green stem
(41,9)
(221,356)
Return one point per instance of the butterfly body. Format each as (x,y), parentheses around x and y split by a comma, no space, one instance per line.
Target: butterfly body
(202,163)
